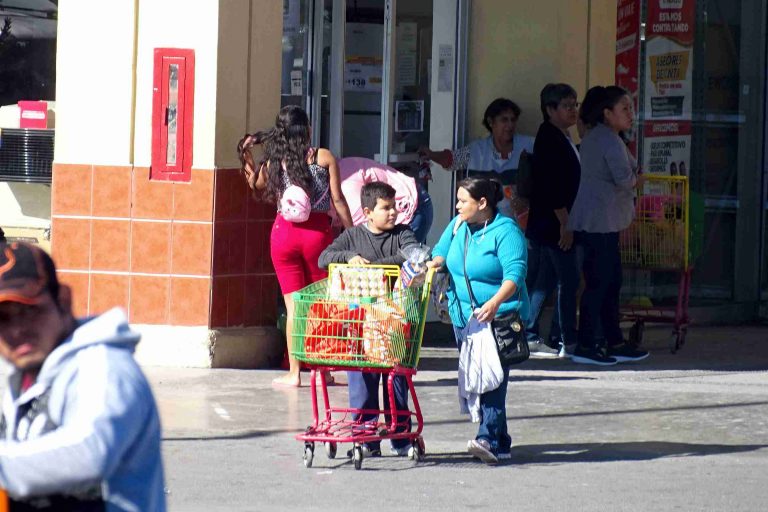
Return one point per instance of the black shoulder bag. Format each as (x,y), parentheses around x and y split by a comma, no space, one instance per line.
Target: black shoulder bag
(508,330)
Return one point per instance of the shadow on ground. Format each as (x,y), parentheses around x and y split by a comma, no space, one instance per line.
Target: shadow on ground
(545,454)
(708,348)
(598,452)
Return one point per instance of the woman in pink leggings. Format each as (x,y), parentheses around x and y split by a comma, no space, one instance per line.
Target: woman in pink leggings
(288,160)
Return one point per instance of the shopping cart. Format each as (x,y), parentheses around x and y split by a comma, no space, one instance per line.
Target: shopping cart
(371,325)
(658,241)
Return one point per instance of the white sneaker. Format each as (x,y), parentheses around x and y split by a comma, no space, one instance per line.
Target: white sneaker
(400,452)
(481,449)
(566,351)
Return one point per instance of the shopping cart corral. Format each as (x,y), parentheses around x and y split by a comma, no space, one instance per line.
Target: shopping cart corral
(658,240)
(361,319)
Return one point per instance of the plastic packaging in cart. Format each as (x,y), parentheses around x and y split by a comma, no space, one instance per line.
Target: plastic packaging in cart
(333,331)
(385,333)
(414,270)
(357,282)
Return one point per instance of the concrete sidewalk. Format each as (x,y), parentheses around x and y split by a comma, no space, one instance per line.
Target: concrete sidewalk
(687,431)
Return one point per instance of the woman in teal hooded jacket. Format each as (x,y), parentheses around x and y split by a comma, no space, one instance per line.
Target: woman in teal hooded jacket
(496,263)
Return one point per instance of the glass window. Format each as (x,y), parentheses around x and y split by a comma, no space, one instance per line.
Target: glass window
(27,50)
(718,124)
(296,47)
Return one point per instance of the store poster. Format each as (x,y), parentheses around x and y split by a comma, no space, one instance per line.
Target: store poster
(668,86)
(409,116)
(364,63)
(628,53)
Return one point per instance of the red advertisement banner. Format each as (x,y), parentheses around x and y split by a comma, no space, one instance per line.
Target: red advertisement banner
(666,128)
(628,45)
(673,19)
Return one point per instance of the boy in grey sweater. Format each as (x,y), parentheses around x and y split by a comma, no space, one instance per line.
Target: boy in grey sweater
(378,241)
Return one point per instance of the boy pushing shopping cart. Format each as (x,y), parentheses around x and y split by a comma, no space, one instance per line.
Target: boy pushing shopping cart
(368,316)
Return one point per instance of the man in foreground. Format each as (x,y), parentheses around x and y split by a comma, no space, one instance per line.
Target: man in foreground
(79,428)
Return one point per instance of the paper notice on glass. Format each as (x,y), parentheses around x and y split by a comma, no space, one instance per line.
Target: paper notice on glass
(363,74)
(406,69)
(445,68)
(409,116)
(296,82)
(407,66)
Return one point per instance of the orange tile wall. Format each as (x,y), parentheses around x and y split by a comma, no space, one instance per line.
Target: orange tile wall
(169,253)
(112,239)
(244,290)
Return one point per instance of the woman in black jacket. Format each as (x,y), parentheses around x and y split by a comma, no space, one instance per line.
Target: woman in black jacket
(552,257)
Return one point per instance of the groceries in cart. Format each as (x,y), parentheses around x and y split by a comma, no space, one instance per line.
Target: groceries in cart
(414,269)
(357,317)
(360,319)
(357,282)
(334,331)
(386,331)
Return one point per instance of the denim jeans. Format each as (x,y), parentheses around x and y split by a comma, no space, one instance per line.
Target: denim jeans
(559,270)
(422,217)
(599,311)
(364,394)
(493,411)
(493,418)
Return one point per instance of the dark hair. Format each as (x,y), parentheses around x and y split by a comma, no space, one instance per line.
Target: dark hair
(478,188)
(373,191)
(552,94)
(597,100)
(498,106)
(286,146)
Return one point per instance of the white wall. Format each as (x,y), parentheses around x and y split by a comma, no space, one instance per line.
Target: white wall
(94,82)
(518,46)
(441,129)
(178,24)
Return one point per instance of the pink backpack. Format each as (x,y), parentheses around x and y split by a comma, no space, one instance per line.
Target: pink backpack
(295,205)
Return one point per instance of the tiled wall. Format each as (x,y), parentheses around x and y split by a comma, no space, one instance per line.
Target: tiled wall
(169,253)
(120,239)
(245,290)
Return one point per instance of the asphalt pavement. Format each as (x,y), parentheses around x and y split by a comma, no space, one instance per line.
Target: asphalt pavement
(684,431)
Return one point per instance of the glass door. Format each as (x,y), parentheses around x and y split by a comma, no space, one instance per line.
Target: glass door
(410,88)
(363,78)
(348,62)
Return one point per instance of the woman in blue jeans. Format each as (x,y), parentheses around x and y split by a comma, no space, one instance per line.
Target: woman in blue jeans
(496,263)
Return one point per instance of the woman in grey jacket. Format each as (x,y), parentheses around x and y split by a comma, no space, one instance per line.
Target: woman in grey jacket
(604,206)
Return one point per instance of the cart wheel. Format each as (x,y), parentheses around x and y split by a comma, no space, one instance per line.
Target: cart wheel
(677,341)
(422,447)
(330,449)
(309,454)
(636,333)
(416,451)
(357,455)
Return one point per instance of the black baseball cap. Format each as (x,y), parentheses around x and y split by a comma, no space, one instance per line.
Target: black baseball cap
(26,273)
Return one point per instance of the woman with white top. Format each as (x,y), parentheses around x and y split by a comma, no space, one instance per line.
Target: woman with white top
(496,156)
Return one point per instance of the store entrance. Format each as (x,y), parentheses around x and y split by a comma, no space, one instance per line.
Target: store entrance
(364,75)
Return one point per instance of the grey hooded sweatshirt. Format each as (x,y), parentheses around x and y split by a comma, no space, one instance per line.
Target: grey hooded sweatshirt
(88,427)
